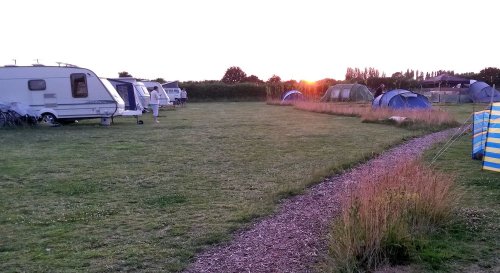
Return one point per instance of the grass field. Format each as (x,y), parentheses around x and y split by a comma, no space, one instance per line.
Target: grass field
(146,198)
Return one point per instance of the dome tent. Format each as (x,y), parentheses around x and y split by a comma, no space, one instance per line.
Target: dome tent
(482,92)
(347,92)
(401,99)
(292,95)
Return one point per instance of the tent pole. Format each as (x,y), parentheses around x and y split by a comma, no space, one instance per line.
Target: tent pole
(492,92)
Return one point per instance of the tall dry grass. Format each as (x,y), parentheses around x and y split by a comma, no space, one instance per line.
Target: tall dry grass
(429,119)
(426,117)
(344,109)
(383,217)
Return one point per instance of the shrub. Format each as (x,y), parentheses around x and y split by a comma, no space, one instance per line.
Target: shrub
(386,214)
(218,91)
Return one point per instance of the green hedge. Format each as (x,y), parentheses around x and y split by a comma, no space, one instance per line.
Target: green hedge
(218,91)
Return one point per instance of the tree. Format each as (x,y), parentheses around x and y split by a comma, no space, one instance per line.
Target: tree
(373,73)
(234,74)
(468,75)
(490,75)
(274,79)
(357,75)
(398,78)
(290,85)
(160,80)
(349,74)
(124,74)
(421,76)
(253,79)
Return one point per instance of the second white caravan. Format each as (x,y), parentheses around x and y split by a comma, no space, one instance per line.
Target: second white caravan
(140,89)
(131,97)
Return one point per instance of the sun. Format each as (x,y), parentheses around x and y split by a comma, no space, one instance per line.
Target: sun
(309,82)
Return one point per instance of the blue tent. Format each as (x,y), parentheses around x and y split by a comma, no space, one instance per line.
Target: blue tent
(479,130)
(401,99)
(482,92)
(292,96)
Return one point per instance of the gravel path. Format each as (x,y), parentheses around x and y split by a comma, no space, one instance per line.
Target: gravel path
(291,239)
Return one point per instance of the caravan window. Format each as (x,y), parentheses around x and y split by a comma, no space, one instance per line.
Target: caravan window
(79,85)
(35,85)
(142,89)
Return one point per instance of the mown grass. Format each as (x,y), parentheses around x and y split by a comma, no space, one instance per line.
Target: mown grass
(146,198)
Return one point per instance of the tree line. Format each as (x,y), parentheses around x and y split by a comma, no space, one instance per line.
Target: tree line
(490,75)
(235,74)
(235,81)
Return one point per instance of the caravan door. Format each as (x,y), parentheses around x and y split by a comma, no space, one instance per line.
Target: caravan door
(132,104)
(126,91)
(74,102)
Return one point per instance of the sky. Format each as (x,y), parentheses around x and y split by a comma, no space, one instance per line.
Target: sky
(196,40)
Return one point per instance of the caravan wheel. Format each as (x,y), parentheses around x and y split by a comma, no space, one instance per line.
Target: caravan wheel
(48,119)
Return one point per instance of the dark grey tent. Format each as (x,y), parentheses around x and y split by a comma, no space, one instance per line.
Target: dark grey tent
(481,92)
(347,92)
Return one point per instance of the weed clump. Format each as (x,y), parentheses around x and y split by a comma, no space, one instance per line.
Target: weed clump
(384,217)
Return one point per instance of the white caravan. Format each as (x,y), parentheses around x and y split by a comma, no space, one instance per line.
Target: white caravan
(140,88)
(64,93)
(173,91)
(131,97)
(164,98)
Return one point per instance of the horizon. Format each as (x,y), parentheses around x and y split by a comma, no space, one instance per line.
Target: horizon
(298,40)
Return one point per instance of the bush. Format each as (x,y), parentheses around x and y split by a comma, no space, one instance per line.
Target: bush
(218,91)
(385,216)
